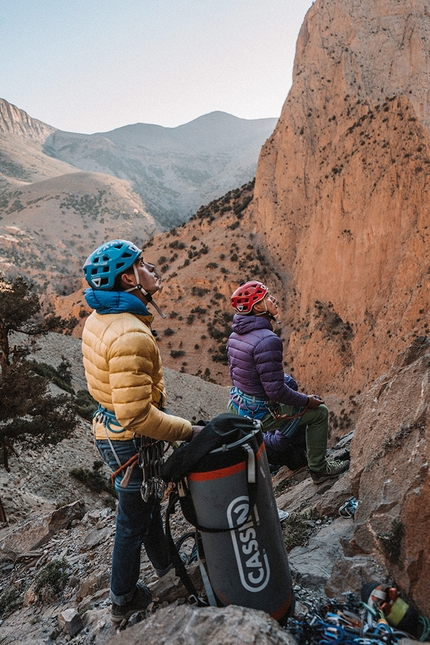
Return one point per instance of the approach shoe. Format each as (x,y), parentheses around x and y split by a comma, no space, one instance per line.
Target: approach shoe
(331,470)
(142,597)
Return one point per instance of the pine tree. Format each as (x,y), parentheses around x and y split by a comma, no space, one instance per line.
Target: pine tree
(29,414)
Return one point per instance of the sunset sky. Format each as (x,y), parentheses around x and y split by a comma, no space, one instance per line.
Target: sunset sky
(92,66)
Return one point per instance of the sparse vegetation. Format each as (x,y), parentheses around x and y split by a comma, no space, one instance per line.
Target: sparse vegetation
(94,479)
(391,542)
(39,419)
(297,528)
(51,580)
(177,353)
(9,602)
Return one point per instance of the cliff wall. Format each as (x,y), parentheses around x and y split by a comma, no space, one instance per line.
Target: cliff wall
(341,193)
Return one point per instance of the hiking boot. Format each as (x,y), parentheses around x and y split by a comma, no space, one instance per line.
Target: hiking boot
(331,470)
(141,599)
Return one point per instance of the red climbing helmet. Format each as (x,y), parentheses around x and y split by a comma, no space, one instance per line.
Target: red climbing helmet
(247,295)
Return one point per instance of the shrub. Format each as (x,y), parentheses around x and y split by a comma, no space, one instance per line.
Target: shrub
(84,404)
(52,579)
(9,602)
(94,479)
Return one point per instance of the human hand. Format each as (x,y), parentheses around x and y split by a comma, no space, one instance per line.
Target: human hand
(196,430)
(314,401)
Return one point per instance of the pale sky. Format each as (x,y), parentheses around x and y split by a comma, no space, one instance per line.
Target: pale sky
(95,65)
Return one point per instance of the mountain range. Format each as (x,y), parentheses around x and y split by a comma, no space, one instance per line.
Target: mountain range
(174,170)
(62,194)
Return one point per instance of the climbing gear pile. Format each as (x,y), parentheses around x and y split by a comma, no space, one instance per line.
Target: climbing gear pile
(351,623)
(348,509)
(383,602)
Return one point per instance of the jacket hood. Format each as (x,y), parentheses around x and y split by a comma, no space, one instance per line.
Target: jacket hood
(115,302)
(245,324)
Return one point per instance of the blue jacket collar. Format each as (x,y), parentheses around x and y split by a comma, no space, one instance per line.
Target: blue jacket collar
(115,302)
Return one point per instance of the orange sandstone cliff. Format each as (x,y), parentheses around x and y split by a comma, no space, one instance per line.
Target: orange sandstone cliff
(341,196)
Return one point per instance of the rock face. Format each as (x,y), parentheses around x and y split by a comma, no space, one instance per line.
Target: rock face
(341,193)
(390,455)
(18,123)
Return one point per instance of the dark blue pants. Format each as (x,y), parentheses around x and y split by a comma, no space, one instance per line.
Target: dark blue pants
(137,523)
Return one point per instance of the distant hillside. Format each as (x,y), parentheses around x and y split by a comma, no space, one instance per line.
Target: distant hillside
(174,170)
(129,183)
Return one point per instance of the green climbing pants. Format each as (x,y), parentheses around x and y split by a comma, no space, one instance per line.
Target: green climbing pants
(314,423)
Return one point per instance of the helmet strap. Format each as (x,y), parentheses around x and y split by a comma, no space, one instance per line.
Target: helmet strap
(267,313)
(145,293)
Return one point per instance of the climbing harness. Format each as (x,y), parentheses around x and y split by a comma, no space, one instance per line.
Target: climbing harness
(149,457)
(108,420)
(291,423)
(257,408)
(253,407)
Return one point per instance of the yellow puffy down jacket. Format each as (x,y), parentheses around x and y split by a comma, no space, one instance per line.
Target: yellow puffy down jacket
(124,374)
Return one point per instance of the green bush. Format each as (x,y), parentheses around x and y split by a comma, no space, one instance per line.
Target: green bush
(52,579)
(9,602)
(84,404)
(296,528)
(60,376)
(94,479)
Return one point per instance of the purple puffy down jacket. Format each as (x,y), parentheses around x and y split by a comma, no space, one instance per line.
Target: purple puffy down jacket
(255,361)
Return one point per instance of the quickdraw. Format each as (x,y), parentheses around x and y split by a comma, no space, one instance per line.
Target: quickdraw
(151,457)
(348,509)
(128,467)
(343,624)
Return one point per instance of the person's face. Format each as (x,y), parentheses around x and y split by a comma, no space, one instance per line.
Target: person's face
(272,305)
(268,305)
(147,276)
(141,273)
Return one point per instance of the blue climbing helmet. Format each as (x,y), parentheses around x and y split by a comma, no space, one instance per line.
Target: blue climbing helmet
(109,260)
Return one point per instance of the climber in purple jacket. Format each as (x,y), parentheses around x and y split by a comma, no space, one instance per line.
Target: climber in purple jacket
(262,391)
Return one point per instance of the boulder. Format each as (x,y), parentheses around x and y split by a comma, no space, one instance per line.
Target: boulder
(180,625)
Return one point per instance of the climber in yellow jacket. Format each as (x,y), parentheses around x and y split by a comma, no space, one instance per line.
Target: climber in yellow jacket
(124,375)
